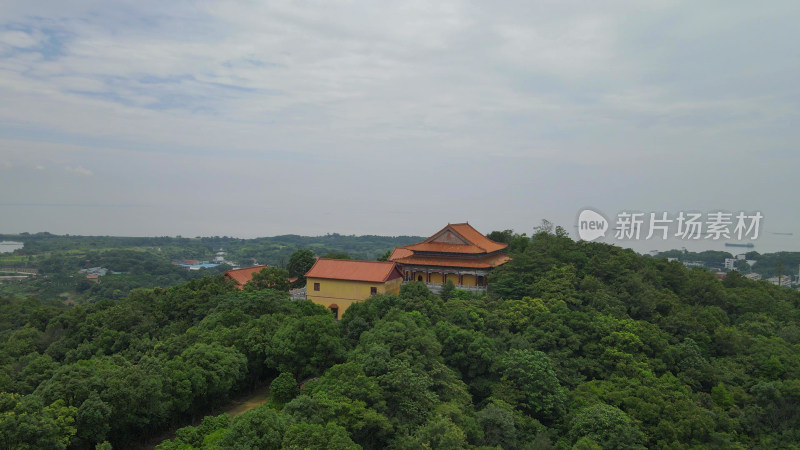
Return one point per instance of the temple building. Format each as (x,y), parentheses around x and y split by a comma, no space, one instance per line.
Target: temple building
(241,276)
(457,252)
(338,283)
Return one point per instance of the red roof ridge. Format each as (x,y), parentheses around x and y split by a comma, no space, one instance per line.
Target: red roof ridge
(469,235)
(332,268)
(243,274)
(355,260)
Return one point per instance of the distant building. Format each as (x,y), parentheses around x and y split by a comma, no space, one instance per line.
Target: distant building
(242,276)
(219,257)
(780,281)
(458,253)
(202,265)
(753,276)
(720,275)
(100,271)
(95,278)
(193,264)
(338,283)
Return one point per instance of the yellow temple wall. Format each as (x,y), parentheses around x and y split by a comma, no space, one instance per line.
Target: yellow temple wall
(346,292)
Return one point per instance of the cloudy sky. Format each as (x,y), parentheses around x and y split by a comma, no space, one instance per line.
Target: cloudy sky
(256,118)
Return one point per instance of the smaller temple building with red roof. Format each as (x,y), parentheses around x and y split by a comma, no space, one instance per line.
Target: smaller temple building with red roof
(338,283)
(242,276)
(458,253)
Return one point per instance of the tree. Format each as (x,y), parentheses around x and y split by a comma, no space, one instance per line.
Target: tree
(606,426)
(26,424)
(269,278)
(447,290)
(528,378)
(92,419)
(259,428)
(441,433)
(284,387)
(385,256)
(336,255)
(497,421)
(742,266)
(504,236)
(305,346)
(299,263)
(306,436)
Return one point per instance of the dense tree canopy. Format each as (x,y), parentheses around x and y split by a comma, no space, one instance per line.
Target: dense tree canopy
(578,345)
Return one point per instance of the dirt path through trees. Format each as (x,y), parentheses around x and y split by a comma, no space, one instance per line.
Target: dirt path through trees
(235,407)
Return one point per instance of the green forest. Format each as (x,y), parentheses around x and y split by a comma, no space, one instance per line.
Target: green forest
(577,345)
(147,262)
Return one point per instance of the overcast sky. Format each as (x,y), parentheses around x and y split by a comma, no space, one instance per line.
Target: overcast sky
(262,118)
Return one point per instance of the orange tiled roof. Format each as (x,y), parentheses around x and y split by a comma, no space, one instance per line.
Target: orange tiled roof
(400,252)
(242,276)
(353,270)
(445,248)
(477,239)
(467,240)
(484,262)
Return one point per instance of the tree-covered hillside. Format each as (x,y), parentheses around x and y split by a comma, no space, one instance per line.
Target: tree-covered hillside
(579,345)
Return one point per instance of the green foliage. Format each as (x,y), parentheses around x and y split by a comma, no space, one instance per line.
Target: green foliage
(206,435)
(336,255)
(527,378)
(300,263)
(578,345)
(302,436)
(304,346)
(269,278)
(259,428)
(284,387)
(93,419)
(605,426)
(498,425)
(447,290)
(27,423)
